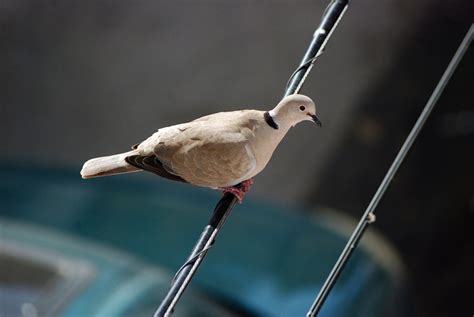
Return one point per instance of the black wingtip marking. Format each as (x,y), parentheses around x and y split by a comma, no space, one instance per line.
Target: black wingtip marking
(152,164)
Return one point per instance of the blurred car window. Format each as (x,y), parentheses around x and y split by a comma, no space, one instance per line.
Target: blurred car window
(36,284)
(23,282)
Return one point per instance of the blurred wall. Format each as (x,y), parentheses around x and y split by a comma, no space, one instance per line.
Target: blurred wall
(88,78)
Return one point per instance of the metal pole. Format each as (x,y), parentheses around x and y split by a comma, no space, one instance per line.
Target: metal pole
(183,277)
(186,272)
(331,17)
(369,216)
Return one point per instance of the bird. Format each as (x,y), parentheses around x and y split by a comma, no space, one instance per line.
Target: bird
(224,150)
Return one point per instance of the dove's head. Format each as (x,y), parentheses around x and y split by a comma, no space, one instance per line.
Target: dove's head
(293,109)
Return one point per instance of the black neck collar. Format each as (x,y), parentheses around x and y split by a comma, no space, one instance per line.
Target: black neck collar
(269,120)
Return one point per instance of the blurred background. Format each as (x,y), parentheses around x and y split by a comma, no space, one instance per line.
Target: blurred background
(81,79)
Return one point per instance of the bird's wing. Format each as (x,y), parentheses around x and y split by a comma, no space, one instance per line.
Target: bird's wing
(152,164)
(208,158)
(146,159)
(213,152)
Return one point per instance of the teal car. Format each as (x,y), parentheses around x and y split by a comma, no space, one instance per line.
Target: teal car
(109,247)
(48,273)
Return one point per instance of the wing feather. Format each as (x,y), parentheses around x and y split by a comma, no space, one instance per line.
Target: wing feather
(211,151)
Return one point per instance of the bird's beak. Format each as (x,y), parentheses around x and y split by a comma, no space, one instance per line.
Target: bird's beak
(316,119)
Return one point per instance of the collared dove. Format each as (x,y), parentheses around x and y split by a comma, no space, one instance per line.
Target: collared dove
(220,150)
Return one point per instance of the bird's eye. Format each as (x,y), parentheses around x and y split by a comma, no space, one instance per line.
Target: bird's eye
(302,108)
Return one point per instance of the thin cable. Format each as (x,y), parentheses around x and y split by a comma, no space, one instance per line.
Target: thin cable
(369,215)
(320,52)
(330,19)
(191,261)
(301,67)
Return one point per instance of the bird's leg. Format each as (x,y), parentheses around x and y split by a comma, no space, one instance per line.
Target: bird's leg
(239,190)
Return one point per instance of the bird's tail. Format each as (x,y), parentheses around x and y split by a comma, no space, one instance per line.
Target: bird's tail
(108,165)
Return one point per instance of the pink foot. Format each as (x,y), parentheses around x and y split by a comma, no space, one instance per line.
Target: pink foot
(239,190)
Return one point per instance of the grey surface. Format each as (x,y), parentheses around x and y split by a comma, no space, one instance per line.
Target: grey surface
(83,79)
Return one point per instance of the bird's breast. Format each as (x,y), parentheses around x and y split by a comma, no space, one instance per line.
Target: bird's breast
(264,145)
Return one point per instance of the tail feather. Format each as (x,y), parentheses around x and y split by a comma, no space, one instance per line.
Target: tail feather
(108,165)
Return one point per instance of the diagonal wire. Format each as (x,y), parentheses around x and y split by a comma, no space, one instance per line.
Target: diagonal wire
(369,216)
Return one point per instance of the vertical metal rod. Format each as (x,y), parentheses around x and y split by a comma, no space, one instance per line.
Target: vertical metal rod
(369,216)
(183,277)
